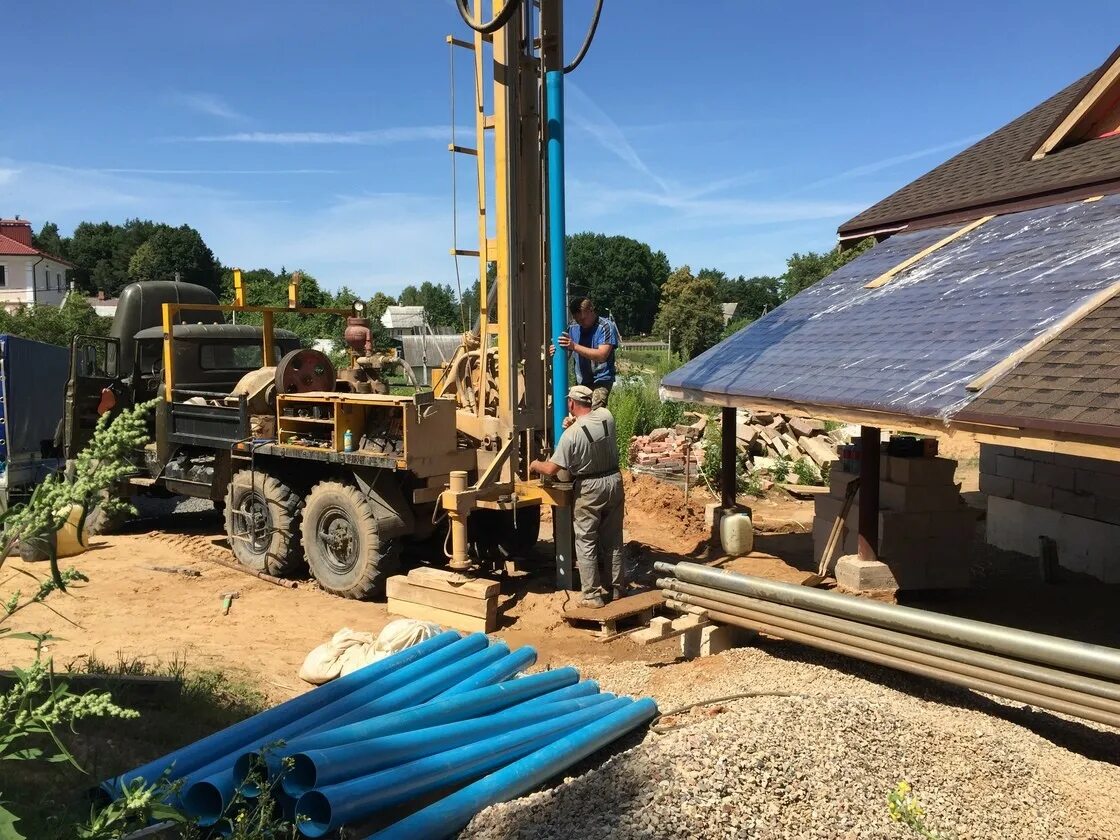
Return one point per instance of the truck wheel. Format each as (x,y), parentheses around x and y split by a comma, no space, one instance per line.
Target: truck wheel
(346,552)
(262,523)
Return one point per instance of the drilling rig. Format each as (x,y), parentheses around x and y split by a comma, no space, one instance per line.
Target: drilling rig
(309,464)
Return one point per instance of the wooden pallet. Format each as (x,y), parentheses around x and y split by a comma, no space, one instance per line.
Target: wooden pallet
(638,609)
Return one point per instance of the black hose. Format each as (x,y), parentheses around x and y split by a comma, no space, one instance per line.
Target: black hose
(587,40)
(500,19)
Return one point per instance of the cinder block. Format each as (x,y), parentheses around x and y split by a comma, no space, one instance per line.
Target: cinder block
(917,498)
(995,485)
(1032,493)
(898,529)
(1015,526)
(1096,482)
(864,575)
(923,471)
(713,512)
(988,454)
(838,483)
(1039,456)
(1078,504)
(1105,508)
(718,638)
(1055,476)
(826,507)
(1011,466)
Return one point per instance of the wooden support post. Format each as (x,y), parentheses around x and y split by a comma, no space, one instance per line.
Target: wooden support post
(869,493)
(728,458)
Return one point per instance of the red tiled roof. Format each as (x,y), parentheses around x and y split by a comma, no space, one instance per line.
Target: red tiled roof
(10,248)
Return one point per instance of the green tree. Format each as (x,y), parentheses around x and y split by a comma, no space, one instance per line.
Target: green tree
(264,287)
(438,301)
(49,241)
(804,270)
(621,275)
(691,309)
(755,295)
(171,253)
(377,306)
(54,324)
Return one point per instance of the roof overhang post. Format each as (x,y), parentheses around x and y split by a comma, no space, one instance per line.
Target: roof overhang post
(727,472)
(869,438)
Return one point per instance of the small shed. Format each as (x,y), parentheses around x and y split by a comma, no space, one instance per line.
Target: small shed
(988,307)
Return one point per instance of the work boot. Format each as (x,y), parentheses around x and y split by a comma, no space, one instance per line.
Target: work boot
(618,592)
(592,602)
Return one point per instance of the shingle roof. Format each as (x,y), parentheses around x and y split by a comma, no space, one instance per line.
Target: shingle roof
(909,347)
(998,169)
(1071,383)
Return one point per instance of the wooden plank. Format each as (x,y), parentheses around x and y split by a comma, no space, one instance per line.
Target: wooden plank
(445,618)
(1079,111)
(887,276)
(461,584)
(400,588)
(1051,332)
(622,608)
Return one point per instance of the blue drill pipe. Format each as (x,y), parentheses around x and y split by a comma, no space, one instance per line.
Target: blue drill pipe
(408,687)
(324,810)
(320,768)
(448,815)
(424,689)
(207,750)
(503,669)
(558,684)
(208,791)
(557,246)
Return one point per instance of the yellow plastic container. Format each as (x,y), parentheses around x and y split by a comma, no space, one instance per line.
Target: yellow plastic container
(68,541)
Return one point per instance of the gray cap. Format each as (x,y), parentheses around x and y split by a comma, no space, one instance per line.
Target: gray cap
(580,394)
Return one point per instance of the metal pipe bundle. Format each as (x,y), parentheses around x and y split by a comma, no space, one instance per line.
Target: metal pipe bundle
(433,717)
(909,640)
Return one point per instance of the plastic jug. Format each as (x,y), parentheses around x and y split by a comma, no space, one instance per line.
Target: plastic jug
(736,533)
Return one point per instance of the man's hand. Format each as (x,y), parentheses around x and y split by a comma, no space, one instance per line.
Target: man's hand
(543,467)
(568,421)
(551,350)
(565,341)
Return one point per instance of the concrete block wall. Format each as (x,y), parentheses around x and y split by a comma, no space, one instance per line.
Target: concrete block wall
(924,529)
(1073,500)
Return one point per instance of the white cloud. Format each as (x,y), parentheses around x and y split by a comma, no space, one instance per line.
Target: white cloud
(376,137)
(7,175)
(211,106)
(887,163)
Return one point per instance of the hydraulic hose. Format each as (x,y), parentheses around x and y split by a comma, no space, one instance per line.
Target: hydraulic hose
(499,20)
(587,39)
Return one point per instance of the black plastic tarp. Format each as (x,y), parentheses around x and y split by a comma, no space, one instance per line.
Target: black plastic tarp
(33,394)
(910,346)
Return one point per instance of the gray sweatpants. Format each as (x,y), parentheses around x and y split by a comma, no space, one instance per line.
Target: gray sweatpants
(597,516)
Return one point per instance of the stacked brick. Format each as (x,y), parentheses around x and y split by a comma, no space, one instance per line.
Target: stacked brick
(924,527)
(671,454)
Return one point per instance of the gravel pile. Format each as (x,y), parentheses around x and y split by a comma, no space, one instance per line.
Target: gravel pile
(820,765)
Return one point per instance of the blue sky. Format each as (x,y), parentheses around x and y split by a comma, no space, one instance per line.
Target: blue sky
(313,135)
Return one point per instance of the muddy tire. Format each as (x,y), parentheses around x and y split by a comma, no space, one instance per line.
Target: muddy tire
(262,516)
(346,552)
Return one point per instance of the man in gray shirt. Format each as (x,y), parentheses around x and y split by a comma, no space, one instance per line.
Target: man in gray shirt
(589,451)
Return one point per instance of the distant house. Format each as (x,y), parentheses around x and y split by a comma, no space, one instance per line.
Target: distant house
(729,311)
(27,275)
(103,305)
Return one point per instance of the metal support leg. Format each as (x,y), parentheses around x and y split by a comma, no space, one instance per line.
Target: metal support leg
(869,493)
(563,538)
(728,457)
(459,560)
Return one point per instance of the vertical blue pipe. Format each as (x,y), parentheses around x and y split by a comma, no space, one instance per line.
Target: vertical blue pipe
(557,253)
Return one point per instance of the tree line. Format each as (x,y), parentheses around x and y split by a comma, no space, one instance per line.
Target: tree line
(628,281)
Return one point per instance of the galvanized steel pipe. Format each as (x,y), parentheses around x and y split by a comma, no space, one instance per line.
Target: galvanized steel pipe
(932,667)
(1081,657)
(702,596)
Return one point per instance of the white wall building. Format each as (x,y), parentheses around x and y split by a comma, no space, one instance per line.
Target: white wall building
(27,275)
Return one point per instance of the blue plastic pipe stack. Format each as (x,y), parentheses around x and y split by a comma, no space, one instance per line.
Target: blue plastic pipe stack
(448,714)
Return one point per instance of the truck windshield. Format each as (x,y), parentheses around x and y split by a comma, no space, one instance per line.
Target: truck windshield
(228,355)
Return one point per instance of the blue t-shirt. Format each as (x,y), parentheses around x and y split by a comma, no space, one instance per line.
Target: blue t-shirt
(587,373)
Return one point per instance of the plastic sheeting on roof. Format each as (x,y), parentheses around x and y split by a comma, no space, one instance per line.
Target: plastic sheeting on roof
(911,346)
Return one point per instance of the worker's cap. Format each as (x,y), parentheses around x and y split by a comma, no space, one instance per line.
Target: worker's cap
(580,394)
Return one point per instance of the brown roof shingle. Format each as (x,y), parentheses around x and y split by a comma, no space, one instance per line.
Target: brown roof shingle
(998,169)
(1070,384)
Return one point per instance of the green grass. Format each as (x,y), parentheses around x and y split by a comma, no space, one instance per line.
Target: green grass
(50,798)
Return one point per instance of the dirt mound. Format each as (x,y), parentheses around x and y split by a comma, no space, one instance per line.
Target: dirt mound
(657,514)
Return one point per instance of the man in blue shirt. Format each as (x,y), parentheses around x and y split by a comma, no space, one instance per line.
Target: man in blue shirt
(592,340)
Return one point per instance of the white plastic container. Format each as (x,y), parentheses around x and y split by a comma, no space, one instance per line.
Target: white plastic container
(736,534)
